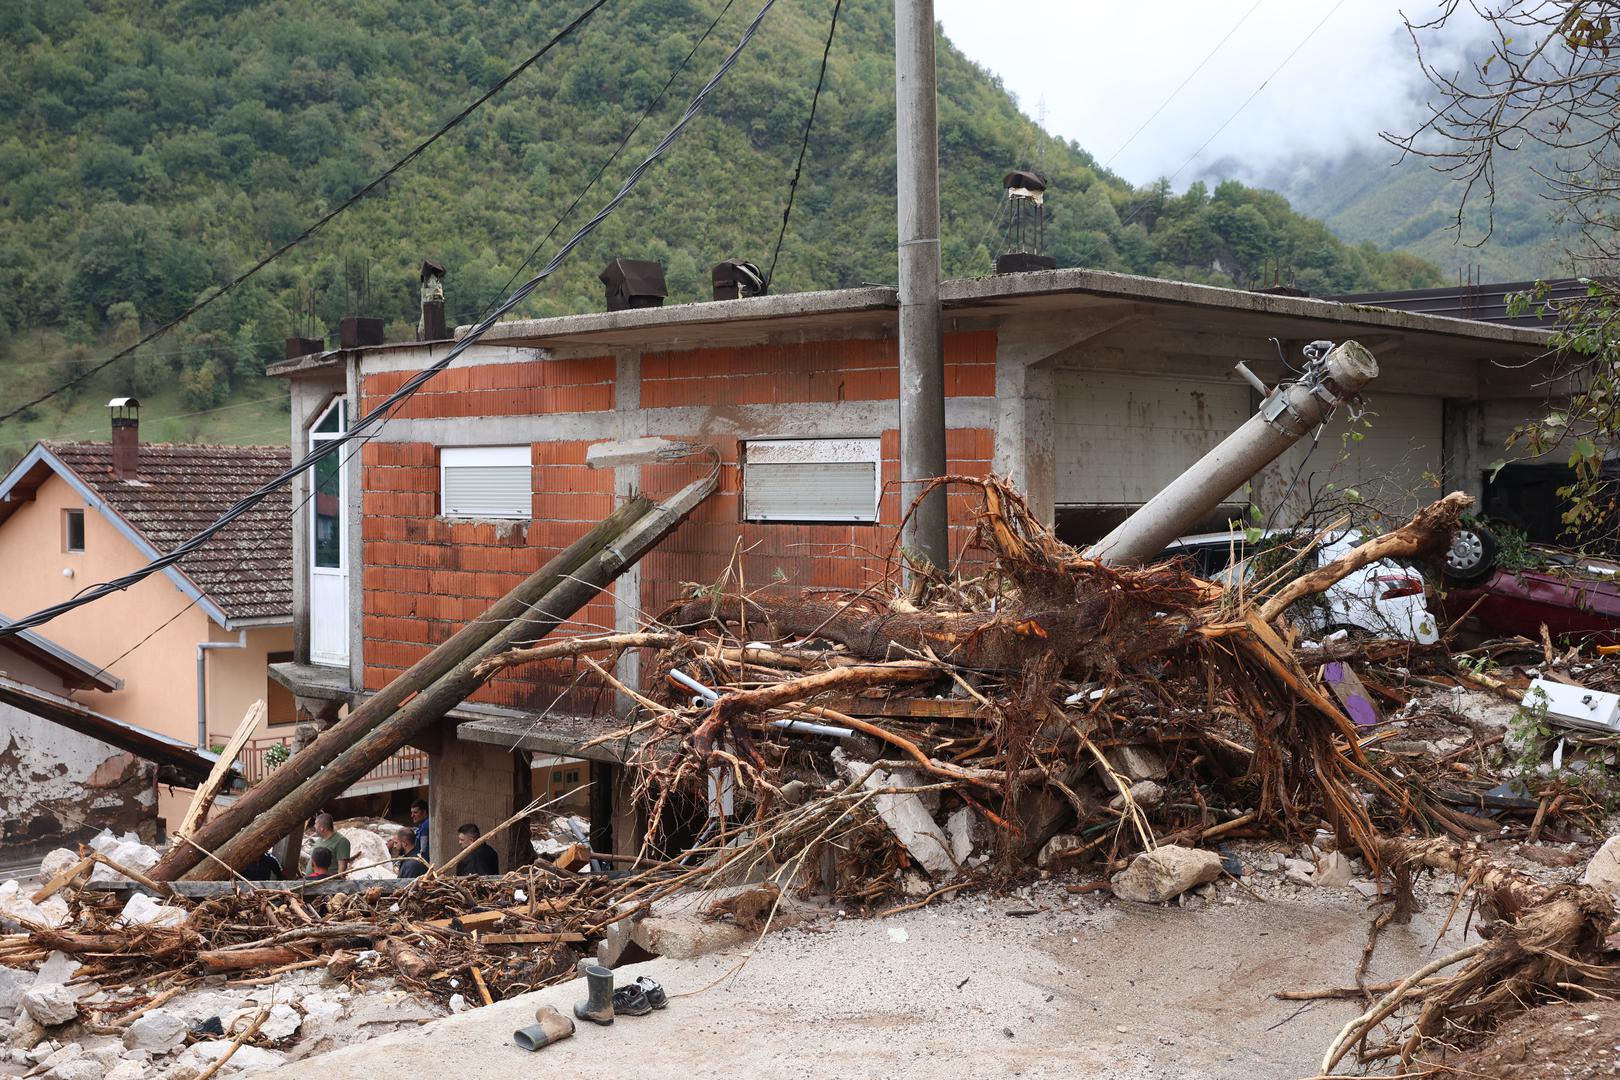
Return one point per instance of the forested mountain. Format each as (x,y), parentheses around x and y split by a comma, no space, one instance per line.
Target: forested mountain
(150,151)
(1409,206)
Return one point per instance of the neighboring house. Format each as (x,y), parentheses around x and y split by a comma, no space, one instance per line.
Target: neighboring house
(66,771)
(1089,389)
(191,644)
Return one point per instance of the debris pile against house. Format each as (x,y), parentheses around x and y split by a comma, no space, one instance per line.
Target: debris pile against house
(1142,731)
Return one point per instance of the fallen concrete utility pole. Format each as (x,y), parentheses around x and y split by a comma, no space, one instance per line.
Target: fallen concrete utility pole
(428,707)
(340,736)
(1332,376)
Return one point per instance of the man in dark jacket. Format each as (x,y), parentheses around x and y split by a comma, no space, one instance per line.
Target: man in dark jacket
(407,856)
(480,860)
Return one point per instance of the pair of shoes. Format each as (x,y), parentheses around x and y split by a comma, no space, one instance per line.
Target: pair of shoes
(604,1002)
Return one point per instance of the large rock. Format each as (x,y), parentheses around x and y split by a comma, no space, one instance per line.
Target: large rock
(129,853)
(159,1032)
(1137,763)
(52,1005)
(57,861)
(1603,872)
(1165,873)
(58,967)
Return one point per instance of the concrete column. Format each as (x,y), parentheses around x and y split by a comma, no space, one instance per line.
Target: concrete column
(1466,455)
(1025,436)
(629,817)
(353,541)
(631,423)
(478,783)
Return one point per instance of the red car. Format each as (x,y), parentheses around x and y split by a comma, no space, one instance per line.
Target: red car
(1576,596)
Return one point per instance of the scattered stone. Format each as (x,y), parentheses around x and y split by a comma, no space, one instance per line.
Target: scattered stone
(458,1003)
(13,982)
(282,1023)
(129,852)
(248,1058)
(52,1005)
(27,1033)
(78,1069)
(1300,872)
(959,827)
(16,908)
(1603,872)
(61,1056)
(1137,763)
(58,967)
(127,1070)
(1051,854)
(1333,871)
(1165,873)
(159,1032)
(1145,793)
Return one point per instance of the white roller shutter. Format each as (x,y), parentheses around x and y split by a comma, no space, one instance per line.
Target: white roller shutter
(485,482)
(1120,438)
(811,480)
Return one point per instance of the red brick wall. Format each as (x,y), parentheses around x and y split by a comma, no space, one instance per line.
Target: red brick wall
(425,577)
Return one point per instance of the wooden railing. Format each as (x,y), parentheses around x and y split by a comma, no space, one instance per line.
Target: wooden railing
(259,757)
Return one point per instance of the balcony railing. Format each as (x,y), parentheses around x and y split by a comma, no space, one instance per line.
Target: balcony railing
(259,757)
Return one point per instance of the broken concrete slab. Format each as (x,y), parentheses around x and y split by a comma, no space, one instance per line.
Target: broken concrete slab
(1165,873)
(905,815)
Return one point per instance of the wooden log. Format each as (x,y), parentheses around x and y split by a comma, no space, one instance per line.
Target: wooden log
(218,960)
(204,798)
(1429,528)
(411,964)
(283,781)
(530,939)
(559,650)
(479,919)
(374,746)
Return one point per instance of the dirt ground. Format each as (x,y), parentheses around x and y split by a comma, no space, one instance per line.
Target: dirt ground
(1084,987)
(1554,1042)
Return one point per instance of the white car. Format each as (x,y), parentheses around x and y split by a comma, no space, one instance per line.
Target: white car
(1383,598)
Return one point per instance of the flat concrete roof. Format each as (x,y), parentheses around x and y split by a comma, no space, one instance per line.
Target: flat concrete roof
(989,300)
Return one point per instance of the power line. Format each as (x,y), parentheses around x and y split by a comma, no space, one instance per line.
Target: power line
(804,144)
(409,388)
(611,158)
(1264,83)
(415,152)
(1183,85)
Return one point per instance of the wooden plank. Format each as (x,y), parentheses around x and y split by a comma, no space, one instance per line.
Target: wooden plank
(477,919)
(60,881)
(904,707)
(529,939)
(204,798)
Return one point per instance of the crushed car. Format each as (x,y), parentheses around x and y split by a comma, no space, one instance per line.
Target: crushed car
(1576,596)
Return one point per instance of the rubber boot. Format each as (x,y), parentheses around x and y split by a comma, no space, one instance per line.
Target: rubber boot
(598,1007)
(551,1026)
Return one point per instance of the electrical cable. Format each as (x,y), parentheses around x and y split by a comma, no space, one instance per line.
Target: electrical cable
(810,122)
(611,158)
(412,385)
(231,285)
(1183,86)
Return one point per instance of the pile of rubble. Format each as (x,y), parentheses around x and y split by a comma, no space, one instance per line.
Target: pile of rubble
(1033,712)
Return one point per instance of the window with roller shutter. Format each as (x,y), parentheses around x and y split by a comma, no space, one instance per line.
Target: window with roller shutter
(485,482)
(812,480)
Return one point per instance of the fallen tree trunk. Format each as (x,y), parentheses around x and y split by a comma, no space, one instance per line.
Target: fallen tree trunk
(374,747)
(282,781)
(1430,528)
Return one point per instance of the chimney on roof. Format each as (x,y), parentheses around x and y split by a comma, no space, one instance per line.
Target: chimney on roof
(432,327)
(633,283)
(126,437)
(736,278)
(1026,224)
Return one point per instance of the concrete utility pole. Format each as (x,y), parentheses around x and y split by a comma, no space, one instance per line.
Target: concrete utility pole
(922,350)
(1288,413)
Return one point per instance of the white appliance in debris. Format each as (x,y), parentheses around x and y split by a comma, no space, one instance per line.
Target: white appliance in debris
(1575,706)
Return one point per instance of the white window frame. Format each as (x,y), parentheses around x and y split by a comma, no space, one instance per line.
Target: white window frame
(832,451)
(474,457)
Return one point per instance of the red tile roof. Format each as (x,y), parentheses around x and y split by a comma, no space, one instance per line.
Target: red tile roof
(182,488)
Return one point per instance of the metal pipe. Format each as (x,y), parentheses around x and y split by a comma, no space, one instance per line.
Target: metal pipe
(202,681)
(1288,413)
(803,727)
(922,352)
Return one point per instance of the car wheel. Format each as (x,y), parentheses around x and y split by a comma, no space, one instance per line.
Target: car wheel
(1472,555)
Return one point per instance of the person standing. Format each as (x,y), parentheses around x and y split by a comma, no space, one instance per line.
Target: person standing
(419,823)
(402,845)
(481,860)
(333,841)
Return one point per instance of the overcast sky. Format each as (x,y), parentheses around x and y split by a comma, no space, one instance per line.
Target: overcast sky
(1104,66)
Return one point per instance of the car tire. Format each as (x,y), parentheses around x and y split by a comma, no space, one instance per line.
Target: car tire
(1472,555)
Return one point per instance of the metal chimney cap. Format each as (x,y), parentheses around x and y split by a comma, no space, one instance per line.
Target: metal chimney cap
(432,268)
(1023,178)
(123,403)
